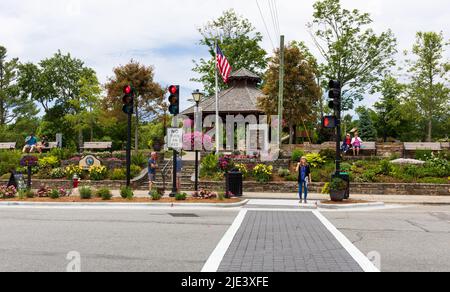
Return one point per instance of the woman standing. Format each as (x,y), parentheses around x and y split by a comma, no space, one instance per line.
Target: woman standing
(304,178)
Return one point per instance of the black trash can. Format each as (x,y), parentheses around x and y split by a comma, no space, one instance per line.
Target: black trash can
(345,177)
(234,183)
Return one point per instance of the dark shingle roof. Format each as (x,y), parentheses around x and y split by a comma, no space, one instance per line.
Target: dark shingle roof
(242,97)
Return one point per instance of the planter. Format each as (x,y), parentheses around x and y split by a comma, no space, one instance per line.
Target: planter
(338,196)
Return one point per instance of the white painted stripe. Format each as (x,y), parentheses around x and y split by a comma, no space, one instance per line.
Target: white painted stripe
(357,255)
(214,261)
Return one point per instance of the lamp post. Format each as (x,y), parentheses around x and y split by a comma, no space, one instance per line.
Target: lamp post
(197,95)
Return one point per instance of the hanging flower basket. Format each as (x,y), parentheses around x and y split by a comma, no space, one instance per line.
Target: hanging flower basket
(29,161)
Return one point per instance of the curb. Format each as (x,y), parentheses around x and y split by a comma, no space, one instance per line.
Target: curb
(123,205)
(350,206)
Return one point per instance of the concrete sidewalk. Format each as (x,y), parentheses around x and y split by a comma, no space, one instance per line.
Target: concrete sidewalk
(388,199)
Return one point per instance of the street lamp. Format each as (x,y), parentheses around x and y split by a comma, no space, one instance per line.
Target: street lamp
(197,95)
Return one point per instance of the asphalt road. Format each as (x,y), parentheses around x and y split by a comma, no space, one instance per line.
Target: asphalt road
(413,239)
(109,240)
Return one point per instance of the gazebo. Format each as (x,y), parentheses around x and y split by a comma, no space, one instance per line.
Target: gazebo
(241,98)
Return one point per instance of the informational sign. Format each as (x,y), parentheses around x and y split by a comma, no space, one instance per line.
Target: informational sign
(89,161)
(175,138)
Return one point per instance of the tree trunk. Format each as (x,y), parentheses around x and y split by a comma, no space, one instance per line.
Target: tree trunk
(291,133)
(430,131)
(80,139)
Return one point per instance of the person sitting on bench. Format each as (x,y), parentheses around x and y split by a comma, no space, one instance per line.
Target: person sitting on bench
(42,144)
(30,144)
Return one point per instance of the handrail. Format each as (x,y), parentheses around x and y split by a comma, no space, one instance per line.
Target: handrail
(164,172)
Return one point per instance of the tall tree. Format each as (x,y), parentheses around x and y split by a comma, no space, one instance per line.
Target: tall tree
(301,91)
(429,88)
(239,41)
(150,99)
(353,53)
(12,106)
(388,108)
(59,85)
(367,130)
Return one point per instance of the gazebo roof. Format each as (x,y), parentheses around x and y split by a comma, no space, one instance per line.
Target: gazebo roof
(241,97)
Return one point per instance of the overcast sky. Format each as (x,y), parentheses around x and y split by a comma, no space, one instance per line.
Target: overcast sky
(163,33)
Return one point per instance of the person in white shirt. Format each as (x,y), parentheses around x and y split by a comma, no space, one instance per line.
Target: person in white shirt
(357,144)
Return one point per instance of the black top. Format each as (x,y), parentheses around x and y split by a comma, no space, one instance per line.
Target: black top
(307,174)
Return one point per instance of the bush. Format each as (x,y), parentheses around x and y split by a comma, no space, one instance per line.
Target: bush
(98,173)
(26,194)
(139,159)
(86,193)
(54,194)
(118,174)
(284,172)
(49,162)
(57,173)
(73,170)
(263,173)
(126,193)
(337,184)
(424,155)
(242,169)
(7,192)
(315,160)
(386,168)
(297,155)
(62,154)
(155,195)
(181,197)
(9,161)
(328,154)
(346,167)
(135,170)
(326,189)
(105,194)
(209,165)
(291,178)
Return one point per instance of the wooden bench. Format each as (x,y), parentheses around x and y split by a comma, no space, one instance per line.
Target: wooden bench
(423,146)
(369,146)
(8,146)
(97,146)
(51,146)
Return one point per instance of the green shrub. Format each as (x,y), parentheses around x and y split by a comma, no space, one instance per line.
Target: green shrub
(291,178)
(326,189)
(139,159)
(26,194)
(118,174)
(98,173)
(62,153)
(54,194)
(424,155)
(221,196)
(284,172)
(434,180)
(209,165)
(85,193)
(49,162)
(126,193)
(155,195)
(57,173)
(242,169)
(328,154)
(181,197)
(346,167)
(297,155)
(369,176)
(315,160)
(135,170)
(386,168)
(105,194)
(337,184)
(9,161)
(263,173)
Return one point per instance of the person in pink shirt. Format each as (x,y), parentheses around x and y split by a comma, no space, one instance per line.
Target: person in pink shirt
(357,144)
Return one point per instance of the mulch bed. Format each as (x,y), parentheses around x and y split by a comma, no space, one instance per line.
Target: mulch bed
(345,202)
(121,200)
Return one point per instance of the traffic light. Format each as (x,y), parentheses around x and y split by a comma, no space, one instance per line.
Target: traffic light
(128,99)
(329,122)
(174,99)
(335,95)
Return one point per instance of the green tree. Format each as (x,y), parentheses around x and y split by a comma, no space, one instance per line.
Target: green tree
(239,41)
(366,129)
(353,53)
(429,76)
(12,105)
(388,108)
(302,92)
(149,102)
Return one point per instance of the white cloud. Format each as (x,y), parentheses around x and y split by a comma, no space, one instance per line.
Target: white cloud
(107,33)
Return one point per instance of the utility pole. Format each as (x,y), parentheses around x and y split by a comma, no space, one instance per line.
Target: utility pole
(281,91)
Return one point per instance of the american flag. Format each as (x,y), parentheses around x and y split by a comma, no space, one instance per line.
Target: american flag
(223,65)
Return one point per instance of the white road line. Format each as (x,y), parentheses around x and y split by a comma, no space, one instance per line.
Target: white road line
(214,261)
(357,255)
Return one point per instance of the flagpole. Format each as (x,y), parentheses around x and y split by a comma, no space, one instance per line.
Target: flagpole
(217,101)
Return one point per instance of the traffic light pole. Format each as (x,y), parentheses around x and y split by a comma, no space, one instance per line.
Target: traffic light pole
(338,138)
(174,170)
(130,116)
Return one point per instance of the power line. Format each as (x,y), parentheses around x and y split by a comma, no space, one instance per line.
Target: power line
(275,4)
(265,24)
(274,23)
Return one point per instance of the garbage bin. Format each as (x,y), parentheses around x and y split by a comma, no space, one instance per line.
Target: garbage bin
(234,183)
(345,177)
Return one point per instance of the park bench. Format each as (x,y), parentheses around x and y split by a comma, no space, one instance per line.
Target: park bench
(369,147)
(8,146)
(51,146)
(97,146)
(411,148)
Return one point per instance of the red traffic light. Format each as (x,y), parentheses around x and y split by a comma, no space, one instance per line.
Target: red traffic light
(127,89)
(173,89)
(329,122)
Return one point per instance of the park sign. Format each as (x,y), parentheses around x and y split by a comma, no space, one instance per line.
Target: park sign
(175,138)
(89,161)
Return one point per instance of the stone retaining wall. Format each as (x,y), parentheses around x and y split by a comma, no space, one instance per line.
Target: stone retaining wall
(279,187)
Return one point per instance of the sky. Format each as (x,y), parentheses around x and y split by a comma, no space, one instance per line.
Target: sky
(164,34)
